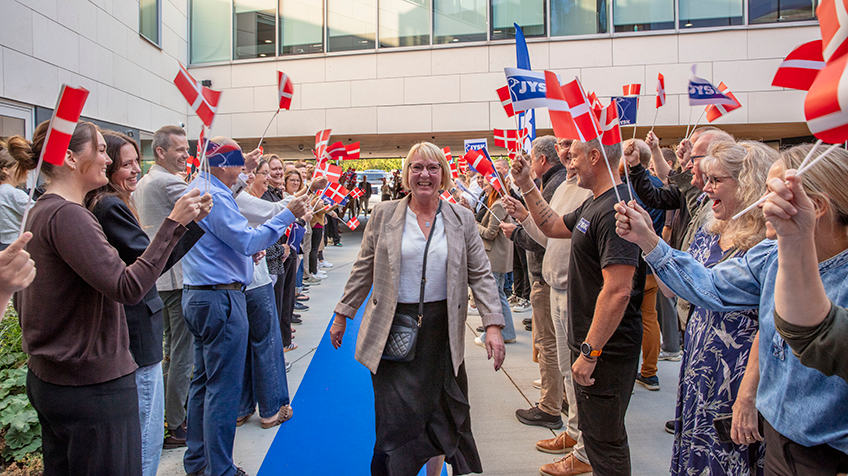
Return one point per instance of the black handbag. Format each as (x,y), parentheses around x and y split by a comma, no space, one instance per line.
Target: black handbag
(403,335)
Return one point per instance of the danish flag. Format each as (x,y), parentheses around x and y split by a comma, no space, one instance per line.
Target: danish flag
(660,90)
(62,124)
(506,100)
(336,192)
(285,90)
(202,100)
(581,112)
(714,111)
(609,124)
(479,162)
(336,150)
(356,192)
(446,196)
(352,223)
(508,138)
(799,69)
(632,89)
(826,105)
(332,172)
(561,120)
(352,151)
(833,20)
(321,140)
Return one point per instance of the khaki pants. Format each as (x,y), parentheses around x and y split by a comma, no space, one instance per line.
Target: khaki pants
(544,340)
(651,328)
(559,313)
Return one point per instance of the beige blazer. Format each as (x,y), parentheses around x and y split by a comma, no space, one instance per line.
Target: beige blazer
(498,247)
(378,264)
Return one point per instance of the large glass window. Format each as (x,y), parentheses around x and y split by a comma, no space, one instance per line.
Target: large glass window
(148,20)
(702,13)
(404,22)
(210,30)
(459,20)
(643,15)
(254,28)
(301,26)
(773,11)
(529,14)
(578,17)
(351,24)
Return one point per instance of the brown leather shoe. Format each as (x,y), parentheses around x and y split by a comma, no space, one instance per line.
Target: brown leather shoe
(559,445)
(568,466)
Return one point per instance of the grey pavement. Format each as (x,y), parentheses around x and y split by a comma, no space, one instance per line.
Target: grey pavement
(506,446)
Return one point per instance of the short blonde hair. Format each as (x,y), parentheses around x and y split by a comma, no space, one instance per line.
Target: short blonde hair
(431,152)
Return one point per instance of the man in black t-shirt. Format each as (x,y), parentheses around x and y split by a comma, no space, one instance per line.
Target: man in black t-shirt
(607,279)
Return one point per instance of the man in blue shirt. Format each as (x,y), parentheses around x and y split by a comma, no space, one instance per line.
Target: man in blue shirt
(215,274)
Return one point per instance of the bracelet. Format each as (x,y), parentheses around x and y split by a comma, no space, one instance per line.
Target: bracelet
(524,194)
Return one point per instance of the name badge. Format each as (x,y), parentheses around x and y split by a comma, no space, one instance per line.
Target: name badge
(583,225)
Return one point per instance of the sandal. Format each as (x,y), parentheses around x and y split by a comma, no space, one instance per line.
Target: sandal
(302,297)
(284,414)
(290,347)
(241,421)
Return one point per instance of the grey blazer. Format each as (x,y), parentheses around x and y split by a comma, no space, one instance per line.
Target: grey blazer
(155,196)
(498,247)
(378,264)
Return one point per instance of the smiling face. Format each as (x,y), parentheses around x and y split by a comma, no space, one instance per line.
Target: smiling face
(261,177)
(275,177)
(92,164)
(581,164)
(721,188)
(425,178)
(174,157)
(126,175)
(293,183)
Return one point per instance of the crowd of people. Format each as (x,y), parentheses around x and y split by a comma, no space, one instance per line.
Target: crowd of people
(620,270)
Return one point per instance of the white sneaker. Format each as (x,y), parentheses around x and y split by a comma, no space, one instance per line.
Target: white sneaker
(522,306)
(537,384)
(472,311)
(319,276)
(325,264)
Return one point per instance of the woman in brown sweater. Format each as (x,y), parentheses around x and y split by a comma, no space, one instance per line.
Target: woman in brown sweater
(81,372)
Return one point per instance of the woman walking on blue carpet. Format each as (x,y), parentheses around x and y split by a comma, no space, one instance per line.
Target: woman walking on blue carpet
(421,405)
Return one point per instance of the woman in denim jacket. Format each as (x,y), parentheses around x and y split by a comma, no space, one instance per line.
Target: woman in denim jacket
(806,412)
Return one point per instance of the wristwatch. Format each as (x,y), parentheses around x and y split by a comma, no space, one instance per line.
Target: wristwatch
(587,350)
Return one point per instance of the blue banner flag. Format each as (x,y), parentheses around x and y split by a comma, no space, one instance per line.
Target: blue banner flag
(627,109)
(522,56)
(702,92)
(526,88)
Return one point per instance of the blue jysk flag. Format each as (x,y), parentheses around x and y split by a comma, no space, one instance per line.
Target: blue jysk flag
(526,88)
(477,144)
(702,92)
(627,109)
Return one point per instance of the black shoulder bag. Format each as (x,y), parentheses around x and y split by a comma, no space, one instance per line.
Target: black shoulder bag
(400,346)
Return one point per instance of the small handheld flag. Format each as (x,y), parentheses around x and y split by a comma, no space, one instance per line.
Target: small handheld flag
(631,89)
(660,90)
(352,151)
(352,223)
(336,192)
(446,196)
(718,110)
(356,192)
(322,138)
(702,92)
(801,66)
(609,124)
(202,100)
(285,90)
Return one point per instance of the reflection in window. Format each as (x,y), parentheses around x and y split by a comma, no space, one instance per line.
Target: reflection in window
(404,22)
(210,30)
(148,19)
(351,24)
(643,15)
(459,20)
(772,11)
(254,29)
(301,26)
(529,14)
(578,17)
(702,13)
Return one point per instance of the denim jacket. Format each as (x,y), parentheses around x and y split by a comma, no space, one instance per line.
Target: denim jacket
(800,403)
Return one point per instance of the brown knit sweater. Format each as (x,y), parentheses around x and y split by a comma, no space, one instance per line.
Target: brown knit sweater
(72,315)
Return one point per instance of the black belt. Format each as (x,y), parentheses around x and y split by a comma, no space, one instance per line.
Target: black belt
(216,287)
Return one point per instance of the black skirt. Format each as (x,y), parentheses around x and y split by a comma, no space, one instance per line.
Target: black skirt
(421,408)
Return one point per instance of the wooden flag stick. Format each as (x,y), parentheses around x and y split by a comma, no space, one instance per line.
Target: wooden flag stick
(612,177)
(267,127)
(696,124)
(656,113)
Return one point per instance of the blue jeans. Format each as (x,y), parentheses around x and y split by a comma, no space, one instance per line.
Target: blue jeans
(265,366)
(218,320)
(508,283)
(508,331)
(151,413)
(299,283)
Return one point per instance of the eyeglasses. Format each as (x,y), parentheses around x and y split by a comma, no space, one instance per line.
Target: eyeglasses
(714,180)
(261,173)
(432,169)
(563,145)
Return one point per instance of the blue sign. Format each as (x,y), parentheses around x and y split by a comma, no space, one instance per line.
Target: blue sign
(627,108)
(526,88)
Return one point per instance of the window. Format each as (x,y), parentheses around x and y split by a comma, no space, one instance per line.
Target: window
(703,13)
(773,11)
(578,17)
(148,20)
(210,30)
(404,23)
(643,15)
(301,26)
(254,29)
(459,20)
(351,24)
(528,14)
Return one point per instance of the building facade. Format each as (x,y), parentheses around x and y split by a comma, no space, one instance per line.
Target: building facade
(391,72)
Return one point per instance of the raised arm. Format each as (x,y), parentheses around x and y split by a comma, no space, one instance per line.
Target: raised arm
(545,218)
(661,167)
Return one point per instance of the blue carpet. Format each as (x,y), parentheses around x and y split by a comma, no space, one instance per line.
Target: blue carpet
(332,431)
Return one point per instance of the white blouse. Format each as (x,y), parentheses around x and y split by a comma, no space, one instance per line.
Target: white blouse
(412,258)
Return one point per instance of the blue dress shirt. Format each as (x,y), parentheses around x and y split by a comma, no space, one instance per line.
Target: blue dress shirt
(224,254)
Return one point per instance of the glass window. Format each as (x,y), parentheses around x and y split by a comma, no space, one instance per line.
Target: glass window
(148,20)
(351,24)
(210,30)
(578,17)
(254,28)
(459,20)
(301,26)
(702,13)
(404,22)
(772,11)
(643,15)
(529,14)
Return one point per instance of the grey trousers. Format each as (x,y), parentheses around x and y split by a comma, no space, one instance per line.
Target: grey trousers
(178,361)
(668,323)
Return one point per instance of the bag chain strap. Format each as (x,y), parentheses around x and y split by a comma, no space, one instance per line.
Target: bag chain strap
(424,266)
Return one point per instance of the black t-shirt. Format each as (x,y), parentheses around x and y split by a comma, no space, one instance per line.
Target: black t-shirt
(595,245)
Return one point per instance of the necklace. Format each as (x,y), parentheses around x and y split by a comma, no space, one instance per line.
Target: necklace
(427,224)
